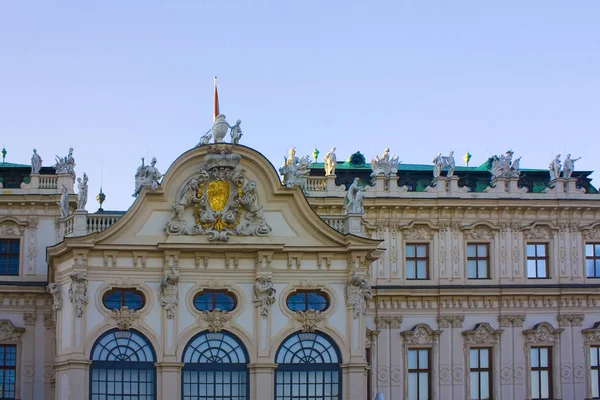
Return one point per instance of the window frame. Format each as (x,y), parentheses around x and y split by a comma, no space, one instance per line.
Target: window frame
(4,367)
(124,290)
(549,369)
(416,259)
(536,258)
(487,259)
(18,255)
(307,291)
(595,258)
(214,302)
(479,370)
(594,369)
(418,371)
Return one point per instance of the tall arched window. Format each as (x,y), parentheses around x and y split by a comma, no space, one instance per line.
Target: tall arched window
(308,368)
(215,367)
(122,367)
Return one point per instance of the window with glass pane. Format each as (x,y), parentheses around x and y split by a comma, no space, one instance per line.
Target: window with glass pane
(417,260)
(478,261)
(303,300)
(419,374)
(480,378)
(8,360)
(537,260)
(540,359)
(209,300)
(592,260)
(9,257)
(595,371)
(117,298)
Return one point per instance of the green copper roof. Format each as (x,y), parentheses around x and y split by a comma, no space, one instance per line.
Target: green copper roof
(12,165)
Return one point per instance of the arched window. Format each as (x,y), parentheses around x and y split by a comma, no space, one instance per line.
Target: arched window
(122,367)
(308,368)
(208,300)
(302,300)
(116,298)
(215,367)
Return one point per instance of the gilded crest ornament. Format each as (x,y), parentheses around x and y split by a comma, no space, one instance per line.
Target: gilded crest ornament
(223,200)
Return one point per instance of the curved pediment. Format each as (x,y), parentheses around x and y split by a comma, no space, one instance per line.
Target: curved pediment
(223,195)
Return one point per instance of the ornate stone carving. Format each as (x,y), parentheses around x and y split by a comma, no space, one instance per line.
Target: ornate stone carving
(66,165)
(508,320)
(591,234)
(482,334)
(32,223)
(569,166)
(504,166)
(451,321)
(55,291)
(330,162)
(384,165)
(592,335)
(393,322)
(224,202)
(294,171)
(418,233)
(220,128)
(216,319)
(478,233)
(82,193)
(78,292)
(539,232)
(49,320)
(421,334)
(309,319)
(10,228)
(570,319)
(263,295)
(354,199)
(29,318)
(8,332)
(236,132)
(440,162)
(554,167)
(543,334)
(64,202)
(169,293)
(146,176)
(124,317)
(36,162)
(358,292)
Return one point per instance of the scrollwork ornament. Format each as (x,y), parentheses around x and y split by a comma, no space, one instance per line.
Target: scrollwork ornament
(125,317)
(8,332)
(542,334)
(216,319)
(308,319)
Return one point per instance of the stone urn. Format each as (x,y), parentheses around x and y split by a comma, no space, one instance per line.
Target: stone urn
(220,128)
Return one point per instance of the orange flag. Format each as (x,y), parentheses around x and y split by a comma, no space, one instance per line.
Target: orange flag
(216,102)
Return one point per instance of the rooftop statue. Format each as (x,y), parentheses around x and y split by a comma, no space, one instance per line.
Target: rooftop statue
(569,166)
(504,166)
(205,139)
(354,198)
(219,131)
(384,165)
(66,165)
(440,162)
(236,132)
(36,162)
(64,202)
(554,168)
(82,194)
(146,176)
(295,170)
(330,162)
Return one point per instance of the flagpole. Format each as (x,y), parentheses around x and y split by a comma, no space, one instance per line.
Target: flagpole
(215,100)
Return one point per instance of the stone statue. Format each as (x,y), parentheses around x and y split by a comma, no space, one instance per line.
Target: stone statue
(64,202)
(295,170)
(66,165)
(384,165)
(146,176)
(569,166)
(330,162)
(358,292)
(55,291)
(82,194)
(504,167)
(236,132)
(36,162)
(220,128)
(450,163)
(554,168)
(205,139)
(169,293)
(78,292)
(354,197)
(440,162)
(263,295)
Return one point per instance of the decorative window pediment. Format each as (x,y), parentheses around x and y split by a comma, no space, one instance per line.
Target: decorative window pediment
(482,334)
(421,334)
(543,334)
(9,332)
(11,227)
(591,232)
(538,232)
(479,232)
(592,335)
(418,232)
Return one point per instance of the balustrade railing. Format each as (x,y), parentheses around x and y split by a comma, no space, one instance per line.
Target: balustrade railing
(316,184)
(336,222)
(100,222)
(48,182)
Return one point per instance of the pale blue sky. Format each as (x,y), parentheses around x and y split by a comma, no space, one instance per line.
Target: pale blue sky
(119,80)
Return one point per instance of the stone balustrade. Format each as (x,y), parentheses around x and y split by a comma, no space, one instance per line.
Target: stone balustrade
(100,222)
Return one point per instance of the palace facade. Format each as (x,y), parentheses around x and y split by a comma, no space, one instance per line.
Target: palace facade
(348,280)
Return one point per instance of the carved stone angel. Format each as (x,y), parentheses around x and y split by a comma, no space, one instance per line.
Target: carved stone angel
(169,294)
(358,291)
(78,292)
(264,294)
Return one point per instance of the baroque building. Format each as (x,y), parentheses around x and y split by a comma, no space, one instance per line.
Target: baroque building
(332,280)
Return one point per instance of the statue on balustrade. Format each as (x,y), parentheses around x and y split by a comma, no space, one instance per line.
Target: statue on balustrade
(82,194)
(330,162)
(504,166)
(554,168)
(440,162)
(36,162)
(66,165)
(569,166)
(295,170)
(354,198)
(64,202)
(384,165)
(146,176)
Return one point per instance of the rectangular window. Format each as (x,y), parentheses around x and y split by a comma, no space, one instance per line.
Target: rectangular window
(417,261)
(8,362)
(419,374)
(537,260)
(595,370)
(9,256)
(480,365)
(478,261)
(592,260)
(540,359)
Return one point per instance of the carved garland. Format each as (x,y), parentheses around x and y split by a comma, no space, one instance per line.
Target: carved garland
(482,334)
